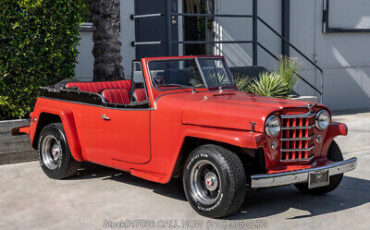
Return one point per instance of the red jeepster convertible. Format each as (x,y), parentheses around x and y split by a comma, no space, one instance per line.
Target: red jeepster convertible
(183,116)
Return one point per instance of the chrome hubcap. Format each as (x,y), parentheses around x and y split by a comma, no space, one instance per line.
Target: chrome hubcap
(211,181)
(51,152)
(205,183)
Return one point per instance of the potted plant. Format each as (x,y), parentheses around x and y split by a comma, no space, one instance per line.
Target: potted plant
(277,84)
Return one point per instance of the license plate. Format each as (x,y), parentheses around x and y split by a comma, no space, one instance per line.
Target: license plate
(318,179)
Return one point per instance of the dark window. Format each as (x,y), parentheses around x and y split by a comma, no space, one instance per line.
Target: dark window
(198,28)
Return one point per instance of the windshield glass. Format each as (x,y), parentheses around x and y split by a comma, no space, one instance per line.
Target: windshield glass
(175,73)
(214,72)
(184,73)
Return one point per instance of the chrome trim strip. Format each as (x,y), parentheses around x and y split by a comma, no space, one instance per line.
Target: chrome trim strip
(298,160)
(95,105)
(300,176)
(304,115)
(298,127)
(297,139)
(297,150)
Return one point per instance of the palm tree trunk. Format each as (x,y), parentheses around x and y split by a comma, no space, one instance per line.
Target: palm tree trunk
(107,46)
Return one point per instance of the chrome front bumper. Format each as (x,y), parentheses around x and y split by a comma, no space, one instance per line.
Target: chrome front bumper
(300,176)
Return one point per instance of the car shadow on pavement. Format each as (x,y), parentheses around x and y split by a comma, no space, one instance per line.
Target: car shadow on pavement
(173,189)
(352,192)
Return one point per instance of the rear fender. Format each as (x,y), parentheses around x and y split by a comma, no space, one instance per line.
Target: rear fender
(69,125)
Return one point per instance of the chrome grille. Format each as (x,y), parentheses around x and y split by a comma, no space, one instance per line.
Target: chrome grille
(297,137)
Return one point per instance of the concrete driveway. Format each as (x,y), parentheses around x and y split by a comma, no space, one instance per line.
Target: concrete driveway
(102,198)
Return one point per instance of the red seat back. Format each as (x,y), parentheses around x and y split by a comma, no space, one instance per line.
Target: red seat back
(140,95)
(116,96)
(96,87)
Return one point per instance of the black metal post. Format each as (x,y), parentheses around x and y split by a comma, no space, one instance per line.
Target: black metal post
(285,26)
(254,14)
(169,27)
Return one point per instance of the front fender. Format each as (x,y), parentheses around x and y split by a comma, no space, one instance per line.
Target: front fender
(240,138)
(335,129)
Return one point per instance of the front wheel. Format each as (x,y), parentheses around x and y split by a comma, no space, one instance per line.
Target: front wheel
(334,154)
(214,181)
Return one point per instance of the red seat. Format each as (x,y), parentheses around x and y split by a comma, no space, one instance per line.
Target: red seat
(116,96)
(140,95)
(96,87)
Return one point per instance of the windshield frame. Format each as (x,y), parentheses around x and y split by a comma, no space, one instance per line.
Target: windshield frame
(200,70)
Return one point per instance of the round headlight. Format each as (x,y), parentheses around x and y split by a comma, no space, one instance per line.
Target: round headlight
(322,119)
(272,126)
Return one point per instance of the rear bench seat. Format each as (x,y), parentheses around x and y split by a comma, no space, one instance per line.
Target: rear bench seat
(116,96)
(113,91)
(96,87)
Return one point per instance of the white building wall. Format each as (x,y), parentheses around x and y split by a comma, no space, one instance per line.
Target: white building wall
(228,29)
(127,35)
(85,59)
(345,57)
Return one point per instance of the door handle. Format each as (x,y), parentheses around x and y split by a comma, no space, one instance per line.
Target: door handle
(105,117)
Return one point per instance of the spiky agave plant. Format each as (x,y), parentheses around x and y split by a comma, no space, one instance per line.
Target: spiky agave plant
(217,78)
(288,70)
(242,83)
(271,85)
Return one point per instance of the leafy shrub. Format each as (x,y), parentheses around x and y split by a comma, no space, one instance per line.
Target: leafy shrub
(242,82)
(278,85)
(38,40)
(86,10)
(288,70)
(271,85)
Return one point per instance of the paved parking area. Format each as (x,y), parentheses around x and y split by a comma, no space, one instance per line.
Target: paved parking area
(30,200)
(100,198)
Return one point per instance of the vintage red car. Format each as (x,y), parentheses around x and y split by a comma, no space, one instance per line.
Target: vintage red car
(184,117)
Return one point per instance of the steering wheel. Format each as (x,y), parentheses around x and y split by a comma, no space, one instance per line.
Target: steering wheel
(158,80)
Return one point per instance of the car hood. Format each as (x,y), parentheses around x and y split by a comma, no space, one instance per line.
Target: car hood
(231,110)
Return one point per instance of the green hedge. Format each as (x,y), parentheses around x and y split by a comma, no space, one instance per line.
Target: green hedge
(38,40)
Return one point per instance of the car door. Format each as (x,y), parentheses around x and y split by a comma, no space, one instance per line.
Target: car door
(126,134)
(109,134)
(117,134)
(127,137)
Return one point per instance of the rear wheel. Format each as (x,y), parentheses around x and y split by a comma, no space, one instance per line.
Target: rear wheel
(54,154)
(334,154)
(214,181)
